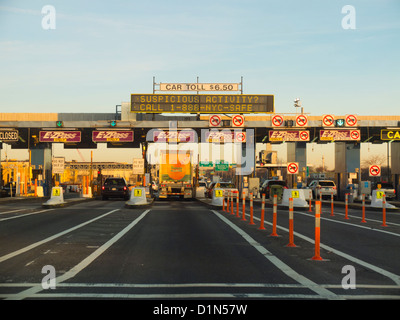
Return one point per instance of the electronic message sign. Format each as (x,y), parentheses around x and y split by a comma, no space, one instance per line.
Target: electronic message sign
(202,103)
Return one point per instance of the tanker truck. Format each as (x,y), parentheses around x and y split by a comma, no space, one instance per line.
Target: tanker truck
(176,174)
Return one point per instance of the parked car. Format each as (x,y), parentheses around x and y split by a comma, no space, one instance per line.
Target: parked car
(323,188)
(387,187)
(222,185)
(7,190)
(266,186)
(115,188)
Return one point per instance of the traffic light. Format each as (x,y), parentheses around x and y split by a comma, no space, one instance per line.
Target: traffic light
(113,123)
(99,176)
(339,123)
(59,124)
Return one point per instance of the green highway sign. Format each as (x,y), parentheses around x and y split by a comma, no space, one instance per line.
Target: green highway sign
(222,167)
(206,164)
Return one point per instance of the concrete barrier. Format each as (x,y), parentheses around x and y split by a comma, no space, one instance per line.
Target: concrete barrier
(138,197)
(298,196)
(56,198)
(377,200)
(217,197)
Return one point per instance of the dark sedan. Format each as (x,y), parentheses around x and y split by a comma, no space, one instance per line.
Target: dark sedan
(115,188)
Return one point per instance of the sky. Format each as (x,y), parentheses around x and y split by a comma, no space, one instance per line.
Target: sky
(100,52)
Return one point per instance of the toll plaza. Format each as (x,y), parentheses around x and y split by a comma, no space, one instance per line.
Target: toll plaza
(234,121)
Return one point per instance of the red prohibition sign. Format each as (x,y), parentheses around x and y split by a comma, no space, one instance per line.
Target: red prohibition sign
(238,121)
(354,135)
(351,120)
(292,167)
(215,120)
(327,120)
(304,135)
(301,120)
(277,121)
(241,137)
(375,170)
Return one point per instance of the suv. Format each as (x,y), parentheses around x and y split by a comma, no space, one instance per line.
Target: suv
(266,186)
(115,188)
(7,190)
(387,187)
(323,188)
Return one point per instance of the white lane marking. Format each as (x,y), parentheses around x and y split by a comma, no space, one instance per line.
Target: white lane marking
(353,224)
(367,219)
(36,244)
(172,296)
(394,277)
(193,285)
(324,293)
(24,215)
(12,211)
(83,264)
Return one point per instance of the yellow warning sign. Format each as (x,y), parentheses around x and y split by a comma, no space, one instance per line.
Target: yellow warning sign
(219,193)
(56,192)
(138,193)
(295,193)
(380,194)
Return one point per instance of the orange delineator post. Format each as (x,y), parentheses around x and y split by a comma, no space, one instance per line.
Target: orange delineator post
(274,216)
(237,204)
(223,201)
(291,237)
(384,211)
(35,187)
(309,201)
(346,206)
(332,204)
(228,193)
(232,202)
(251,208)
(262,213)
(363,209)
(244,204)
(84,185)
(317,231)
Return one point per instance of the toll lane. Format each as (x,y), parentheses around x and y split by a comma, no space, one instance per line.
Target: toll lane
(185,249)
(178,243)
(366,246)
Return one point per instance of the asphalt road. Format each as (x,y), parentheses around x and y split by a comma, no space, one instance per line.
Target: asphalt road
(187,250)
